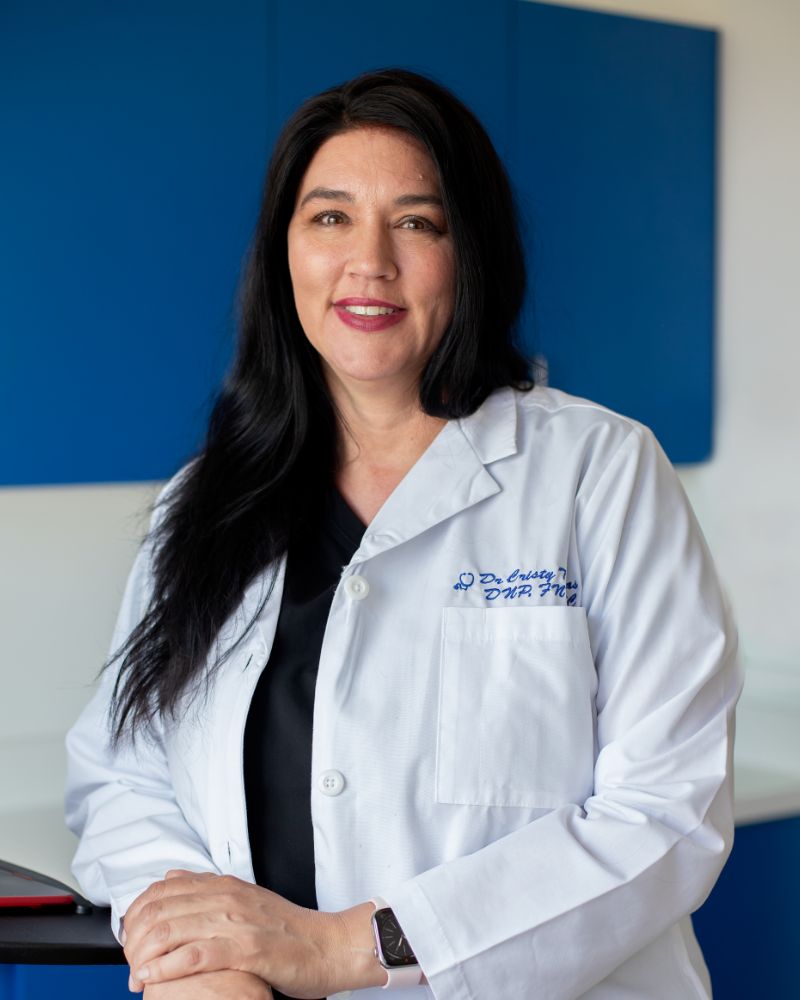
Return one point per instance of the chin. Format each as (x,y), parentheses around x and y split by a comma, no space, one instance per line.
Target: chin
(374,372)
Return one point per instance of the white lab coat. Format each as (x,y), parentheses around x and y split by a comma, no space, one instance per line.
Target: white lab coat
(522,727)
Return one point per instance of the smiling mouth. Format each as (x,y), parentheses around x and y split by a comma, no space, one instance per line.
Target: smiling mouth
(369,315)
(370,310)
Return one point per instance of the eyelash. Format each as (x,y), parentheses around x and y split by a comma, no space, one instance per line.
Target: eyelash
(325,215)
(425,225)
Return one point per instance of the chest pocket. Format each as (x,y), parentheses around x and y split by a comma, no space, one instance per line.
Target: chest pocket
(516,707)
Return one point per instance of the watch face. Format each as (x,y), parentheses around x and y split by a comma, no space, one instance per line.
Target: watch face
(396,949)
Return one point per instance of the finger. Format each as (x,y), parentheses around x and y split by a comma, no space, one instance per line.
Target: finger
(151,893)
(167,936)
(198,910)
(203,905)
(176,872)
(160,889)
(165,925)
(197,902)
(196,956)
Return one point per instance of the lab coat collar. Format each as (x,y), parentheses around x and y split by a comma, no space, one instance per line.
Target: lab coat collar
(492,428)
(449,477)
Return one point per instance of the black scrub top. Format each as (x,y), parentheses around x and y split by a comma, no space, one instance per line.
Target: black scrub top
(277,737)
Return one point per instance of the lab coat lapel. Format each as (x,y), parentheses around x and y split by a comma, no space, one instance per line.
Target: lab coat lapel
(256,616)
(449,477)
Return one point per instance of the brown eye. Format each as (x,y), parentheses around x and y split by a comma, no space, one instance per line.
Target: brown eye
(329,218)
(417,223)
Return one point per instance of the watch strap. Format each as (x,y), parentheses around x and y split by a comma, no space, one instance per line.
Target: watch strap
(401,976)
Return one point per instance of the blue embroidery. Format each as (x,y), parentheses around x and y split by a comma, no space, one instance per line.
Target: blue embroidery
(518,584)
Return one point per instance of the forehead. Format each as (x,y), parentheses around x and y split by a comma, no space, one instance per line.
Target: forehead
(371,158)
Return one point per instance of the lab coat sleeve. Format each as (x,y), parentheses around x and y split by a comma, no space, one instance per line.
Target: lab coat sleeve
(121,803)
(553,908)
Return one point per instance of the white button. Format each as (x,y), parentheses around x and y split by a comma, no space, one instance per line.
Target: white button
(331,783)
(356,587)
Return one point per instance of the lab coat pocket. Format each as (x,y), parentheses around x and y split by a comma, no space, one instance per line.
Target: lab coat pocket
(516,707)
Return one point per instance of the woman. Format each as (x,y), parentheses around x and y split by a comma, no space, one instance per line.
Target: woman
(494,749)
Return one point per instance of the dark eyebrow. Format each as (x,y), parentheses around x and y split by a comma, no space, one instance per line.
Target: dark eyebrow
(404,201)
(329,194)
(419,199)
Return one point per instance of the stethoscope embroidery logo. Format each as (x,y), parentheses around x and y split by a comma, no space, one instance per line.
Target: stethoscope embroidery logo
(521,583)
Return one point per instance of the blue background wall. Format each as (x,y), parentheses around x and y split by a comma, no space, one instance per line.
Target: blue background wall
(135,140)
(134,143)
(613,152)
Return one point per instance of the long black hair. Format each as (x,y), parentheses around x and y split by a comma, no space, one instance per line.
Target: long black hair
(272,435)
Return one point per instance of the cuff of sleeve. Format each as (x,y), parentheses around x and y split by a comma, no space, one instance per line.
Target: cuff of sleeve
(116,923)
(428,938)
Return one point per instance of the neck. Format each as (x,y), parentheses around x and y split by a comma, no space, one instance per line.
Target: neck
(383,425)
(381,436)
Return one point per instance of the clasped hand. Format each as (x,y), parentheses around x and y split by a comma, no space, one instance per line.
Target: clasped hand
(190,923)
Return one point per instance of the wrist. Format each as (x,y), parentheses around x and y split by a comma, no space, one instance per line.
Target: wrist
(357,966)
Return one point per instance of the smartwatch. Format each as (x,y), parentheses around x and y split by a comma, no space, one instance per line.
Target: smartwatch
(392,949)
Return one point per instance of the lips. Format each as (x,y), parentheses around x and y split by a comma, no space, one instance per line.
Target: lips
(370,310)
(368,314)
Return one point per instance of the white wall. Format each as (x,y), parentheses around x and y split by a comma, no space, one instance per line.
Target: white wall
(748,496)
(64,562)
(65,554)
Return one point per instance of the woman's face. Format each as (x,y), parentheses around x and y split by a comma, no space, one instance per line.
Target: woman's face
(371,260)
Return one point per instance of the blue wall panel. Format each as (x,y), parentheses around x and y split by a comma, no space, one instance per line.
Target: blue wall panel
(64,982)
(614,159)
(128,192)
(750,925)
(464,45)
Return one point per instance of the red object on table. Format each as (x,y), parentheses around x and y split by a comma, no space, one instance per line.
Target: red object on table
(21,887)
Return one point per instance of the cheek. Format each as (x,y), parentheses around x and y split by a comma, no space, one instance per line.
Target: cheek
(441,287)
(311,274)
(440,271)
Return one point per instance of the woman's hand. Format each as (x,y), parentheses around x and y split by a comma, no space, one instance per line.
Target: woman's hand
(191,923)
(211,986)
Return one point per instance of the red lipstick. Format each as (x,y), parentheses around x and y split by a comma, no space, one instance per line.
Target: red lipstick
(361,320)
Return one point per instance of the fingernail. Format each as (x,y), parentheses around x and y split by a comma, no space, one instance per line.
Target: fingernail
(123,937)
(142,974)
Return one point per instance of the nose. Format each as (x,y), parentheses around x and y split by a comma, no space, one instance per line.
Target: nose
(372,252)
